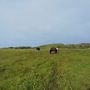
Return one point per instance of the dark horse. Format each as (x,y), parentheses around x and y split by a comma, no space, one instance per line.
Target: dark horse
(53,50)
(38,48)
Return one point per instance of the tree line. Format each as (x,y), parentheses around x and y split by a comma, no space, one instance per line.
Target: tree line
(81,45)
(77,46)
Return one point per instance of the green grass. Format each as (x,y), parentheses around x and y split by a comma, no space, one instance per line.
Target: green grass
(28,69)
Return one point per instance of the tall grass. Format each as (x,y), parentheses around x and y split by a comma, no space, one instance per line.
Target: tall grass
(32,70)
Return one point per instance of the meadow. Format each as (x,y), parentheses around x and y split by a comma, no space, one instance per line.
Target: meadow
(28,69)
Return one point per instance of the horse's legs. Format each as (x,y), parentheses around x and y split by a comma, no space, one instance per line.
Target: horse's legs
(55,51)
(50,51)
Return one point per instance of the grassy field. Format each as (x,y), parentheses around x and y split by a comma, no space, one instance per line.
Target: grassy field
(28,69)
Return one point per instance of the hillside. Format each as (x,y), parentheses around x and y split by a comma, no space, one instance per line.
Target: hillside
(77,46)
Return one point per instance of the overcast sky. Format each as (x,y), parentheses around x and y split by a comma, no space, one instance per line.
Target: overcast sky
(37,22)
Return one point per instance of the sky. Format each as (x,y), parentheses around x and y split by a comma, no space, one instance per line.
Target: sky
(39,22)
